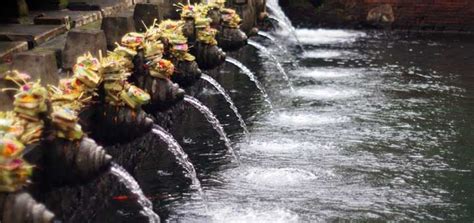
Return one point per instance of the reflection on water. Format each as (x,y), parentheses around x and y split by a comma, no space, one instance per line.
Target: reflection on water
(379,127)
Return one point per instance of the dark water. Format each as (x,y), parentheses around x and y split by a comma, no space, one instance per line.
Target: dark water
(379,127)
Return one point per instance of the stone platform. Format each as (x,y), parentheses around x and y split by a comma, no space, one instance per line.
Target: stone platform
(40,26)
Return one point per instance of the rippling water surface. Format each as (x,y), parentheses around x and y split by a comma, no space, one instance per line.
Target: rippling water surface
(379,127)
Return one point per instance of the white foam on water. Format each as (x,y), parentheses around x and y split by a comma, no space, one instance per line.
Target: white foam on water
(307,119)
(275,146)
(322,54)
(324,93)
(330,54)
(326,73)
(278,146)
(253,215)
(280,177)
(327,36)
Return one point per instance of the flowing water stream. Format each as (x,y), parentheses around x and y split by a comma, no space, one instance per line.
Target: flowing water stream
(272,39)
(211,119)
(251,76)
(227,97)
(284,22)
(181,156)
(131,184)
(268,36)
(378,128)
(265,51)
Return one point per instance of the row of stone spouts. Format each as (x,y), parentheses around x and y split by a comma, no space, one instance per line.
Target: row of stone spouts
(114,91)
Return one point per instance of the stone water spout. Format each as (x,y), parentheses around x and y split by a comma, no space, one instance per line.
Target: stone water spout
(199,33)
(111,124)
(21,207)
(230,37)
(73,162)
(208,56)
(176,49)
(163,92)
(186,73)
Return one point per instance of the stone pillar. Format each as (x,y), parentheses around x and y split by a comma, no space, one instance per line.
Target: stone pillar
(81,41)
(115,27)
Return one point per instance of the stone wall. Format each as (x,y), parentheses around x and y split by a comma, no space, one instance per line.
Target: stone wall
(439,15)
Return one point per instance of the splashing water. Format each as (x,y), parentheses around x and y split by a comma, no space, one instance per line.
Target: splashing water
(212,119)
(280,68)
(181,156)
(283,25)
(276,9)
(359,140)
(131,184)
(252,77)
(227,97)
(273,39)
(282,19)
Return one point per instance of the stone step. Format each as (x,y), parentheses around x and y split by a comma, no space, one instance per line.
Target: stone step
(77,18)
(33,34)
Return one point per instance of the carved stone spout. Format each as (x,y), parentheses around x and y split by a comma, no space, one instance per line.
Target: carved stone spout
(208,56)
(20,207)
(231,39)
(186,73)
(118,124)
(74,162)
(163,92)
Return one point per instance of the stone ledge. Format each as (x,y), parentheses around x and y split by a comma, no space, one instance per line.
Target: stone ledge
(78,18)
(8,48)
(33,34)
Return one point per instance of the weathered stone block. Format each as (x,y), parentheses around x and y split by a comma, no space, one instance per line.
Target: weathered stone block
(115,27)
(81,41)
(145,14)
(38,64)
(54,20)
